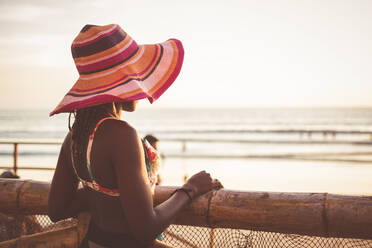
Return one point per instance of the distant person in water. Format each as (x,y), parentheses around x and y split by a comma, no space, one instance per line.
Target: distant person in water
(104,152)
(155,167)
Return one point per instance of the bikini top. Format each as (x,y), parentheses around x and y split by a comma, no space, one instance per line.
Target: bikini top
(151,157)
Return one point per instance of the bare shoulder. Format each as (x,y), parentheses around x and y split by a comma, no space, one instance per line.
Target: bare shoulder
(120,126)
(123,144)
(120,131)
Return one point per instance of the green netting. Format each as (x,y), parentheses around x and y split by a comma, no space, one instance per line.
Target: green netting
(12,226)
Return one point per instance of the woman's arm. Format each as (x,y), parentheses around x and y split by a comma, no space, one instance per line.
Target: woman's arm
(65,199)
(145,221)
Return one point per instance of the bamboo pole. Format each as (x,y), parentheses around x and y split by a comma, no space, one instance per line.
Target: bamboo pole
(65,237)
(23,196)
(61,238)
(314,214)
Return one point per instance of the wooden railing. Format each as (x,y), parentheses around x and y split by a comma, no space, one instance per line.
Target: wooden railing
(313,214)
(183,141)
(15,145)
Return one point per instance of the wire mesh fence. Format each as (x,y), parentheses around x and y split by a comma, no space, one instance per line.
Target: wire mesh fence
(189,236)
(13,226)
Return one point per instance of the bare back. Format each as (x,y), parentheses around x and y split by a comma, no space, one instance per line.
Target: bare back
(107,212)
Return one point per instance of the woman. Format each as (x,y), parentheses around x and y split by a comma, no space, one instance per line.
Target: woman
(104,153)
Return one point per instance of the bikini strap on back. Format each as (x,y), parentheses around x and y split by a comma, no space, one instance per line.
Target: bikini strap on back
(93,185)
(72,158)
(90,144)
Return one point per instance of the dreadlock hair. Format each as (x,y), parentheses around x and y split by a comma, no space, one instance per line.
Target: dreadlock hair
(85,121)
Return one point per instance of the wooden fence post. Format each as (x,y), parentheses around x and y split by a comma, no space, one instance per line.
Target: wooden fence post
(15,158)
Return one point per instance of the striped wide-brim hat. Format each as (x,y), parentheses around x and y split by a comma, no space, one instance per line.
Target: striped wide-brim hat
(114,68)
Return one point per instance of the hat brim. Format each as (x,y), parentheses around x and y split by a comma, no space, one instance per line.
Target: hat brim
(146,74)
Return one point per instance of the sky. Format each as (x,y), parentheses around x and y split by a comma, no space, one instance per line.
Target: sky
(250,53)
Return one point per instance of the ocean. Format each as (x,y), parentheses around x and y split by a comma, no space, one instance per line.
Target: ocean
(289,150)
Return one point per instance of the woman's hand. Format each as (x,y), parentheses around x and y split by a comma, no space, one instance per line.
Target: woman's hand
(201,183)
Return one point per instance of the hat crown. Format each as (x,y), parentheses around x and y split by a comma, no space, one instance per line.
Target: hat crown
(86,27)
(98,48)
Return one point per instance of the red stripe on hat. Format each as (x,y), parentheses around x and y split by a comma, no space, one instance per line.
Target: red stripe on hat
(107,63)
(94,40)
(174,74)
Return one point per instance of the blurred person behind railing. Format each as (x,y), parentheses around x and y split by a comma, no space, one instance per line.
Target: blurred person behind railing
(155,168)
